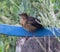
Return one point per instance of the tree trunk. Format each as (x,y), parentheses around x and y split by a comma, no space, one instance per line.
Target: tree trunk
(38,44)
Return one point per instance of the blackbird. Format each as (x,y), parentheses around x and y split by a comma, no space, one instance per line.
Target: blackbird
(30,23)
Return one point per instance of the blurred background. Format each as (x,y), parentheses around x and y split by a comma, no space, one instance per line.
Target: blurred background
(48,11)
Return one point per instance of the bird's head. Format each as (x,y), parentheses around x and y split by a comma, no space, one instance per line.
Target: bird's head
(23,15)
(23,18)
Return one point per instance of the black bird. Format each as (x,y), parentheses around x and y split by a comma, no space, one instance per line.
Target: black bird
(30,23)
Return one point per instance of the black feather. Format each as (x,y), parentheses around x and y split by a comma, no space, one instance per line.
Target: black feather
(35,22)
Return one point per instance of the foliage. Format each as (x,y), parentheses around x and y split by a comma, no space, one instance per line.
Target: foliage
(48,11)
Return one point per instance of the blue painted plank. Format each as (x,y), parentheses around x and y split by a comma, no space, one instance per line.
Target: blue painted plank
(20,31)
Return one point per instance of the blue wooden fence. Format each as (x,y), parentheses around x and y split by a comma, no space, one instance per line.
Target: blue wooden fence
(10,30)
